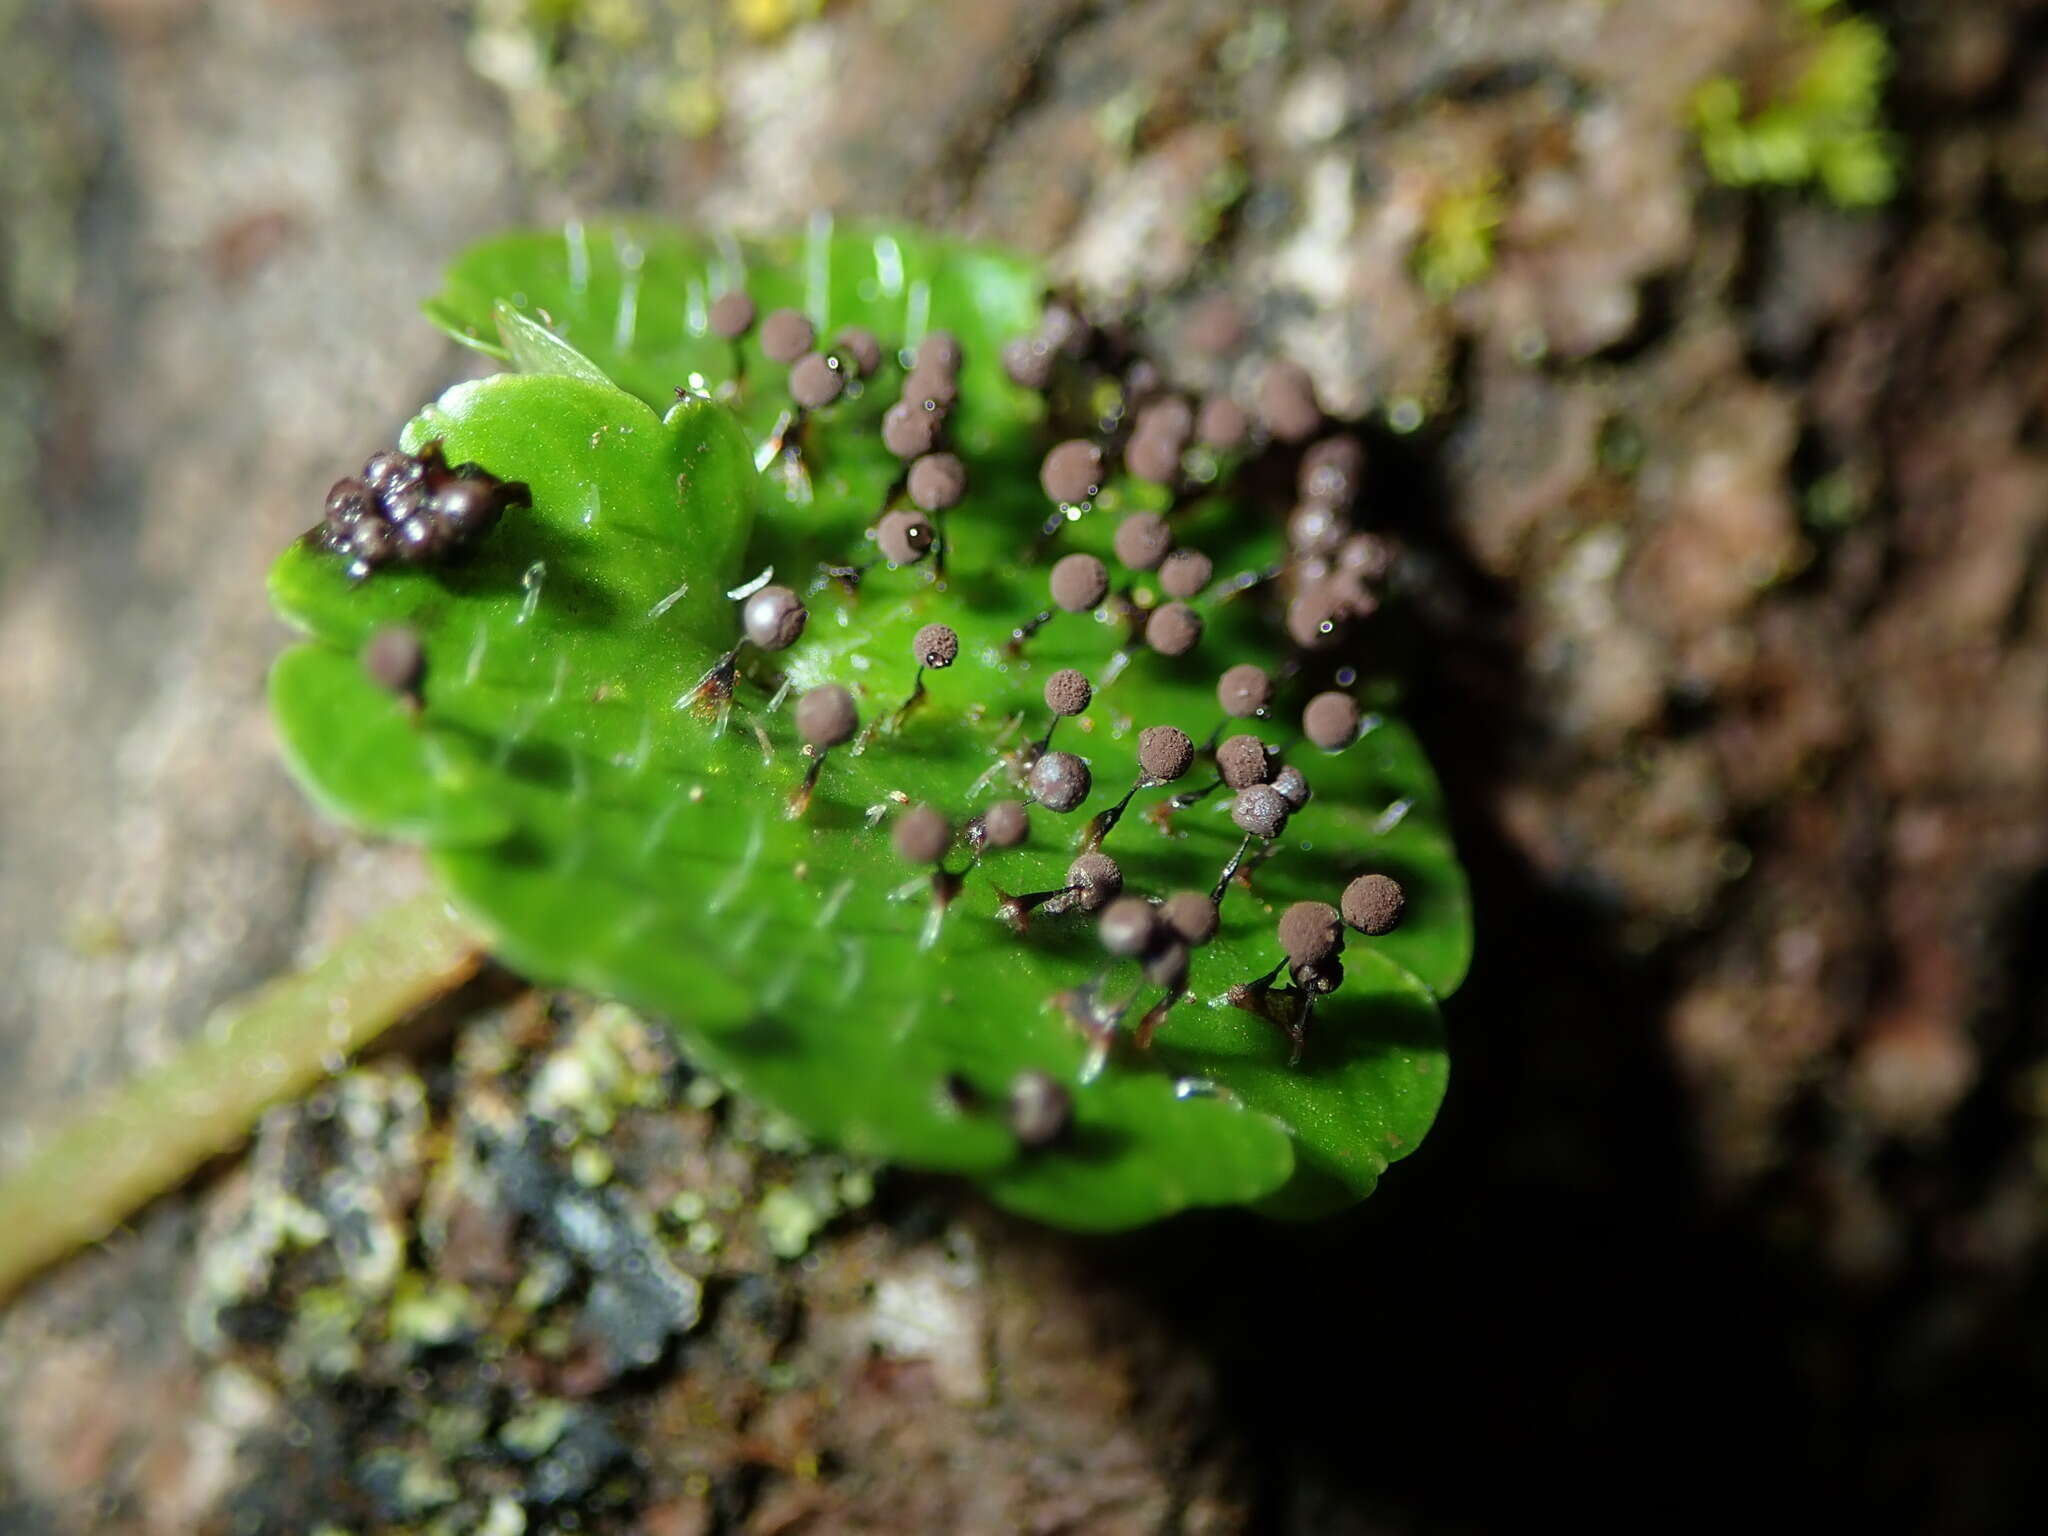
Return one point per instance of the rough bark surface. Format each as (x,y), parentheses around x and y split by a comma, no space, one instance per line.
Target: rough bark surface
(1728,514)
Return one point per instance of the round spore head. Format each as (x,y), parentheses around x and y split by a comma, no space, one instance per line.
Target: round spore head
(1352,593)
(1315,528)
(1128,926)
(1059,781)
(402,500)
(1215,325)
(1260,810)
(1079,583)
(1332,471)
(1330,721)
(909,430)
(1310,932)
(395,660)
(1243,690)
(786,335)
(1368,556)
(385,472)
(1242,761)
(936,646)
(1185,572)
(1192,917)
(1170,417)
(1222,424)
(370,542)
(465,507)
(1065,329)
(421,539)
(1321,978)
(1287,402)
(1007,823)
(1316,616)
(861,347)
(1067,692)
(1097,880)
(937,481)
(774,618)
(1142,379)
(732,315)
(348,502)
(1167,966)
(921,836)
(1373,904)
(1164,753)
(1153,456)
(1072,471)
(1173,629)
(930,388)
(904,537)
(1293,786)
(940,350)
(1041,1111)
(825,716)
(815,381)
(1142,540)
(1029,362)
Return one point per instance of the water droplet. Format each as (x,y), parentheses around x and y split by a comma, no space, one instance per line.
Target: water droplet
(888,265)
(630,258)
(530,583)
(918,318)
(818,269)
(578,246)
(747,589)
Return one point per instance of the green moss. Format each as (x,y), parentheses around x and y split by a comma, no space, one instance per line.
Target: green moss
(533,1433)
(1120,119)
(1826,130)
(324,1340)
(1833,502)
(578,72)
(1260,40)
(426,1312)
(1222,190)
(1620,447)
(1456,248)
(789,1221)
(456,1429)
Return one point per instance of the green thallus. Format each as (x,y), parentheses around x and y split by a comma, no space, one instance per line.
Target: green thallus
(592,746)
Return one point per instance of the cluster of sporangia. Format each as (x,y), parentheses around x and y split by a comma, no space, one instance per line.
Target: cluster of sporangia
(1326,581)
(412,509)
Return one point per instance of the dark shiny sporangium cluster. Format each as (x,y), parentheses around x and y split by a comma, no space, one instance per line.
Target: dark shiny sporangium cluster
(412,509)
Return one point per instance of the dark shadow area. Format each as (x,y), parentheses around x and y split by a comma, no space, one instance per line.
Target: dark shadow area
(1550,1308)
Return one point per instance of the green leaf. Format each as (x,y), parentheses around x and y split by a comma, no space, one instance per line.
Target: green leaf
(609,836)
(532,348)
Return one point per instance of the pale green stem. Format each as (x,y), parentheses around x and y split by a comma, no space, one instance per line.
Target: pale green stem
(94,1170)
